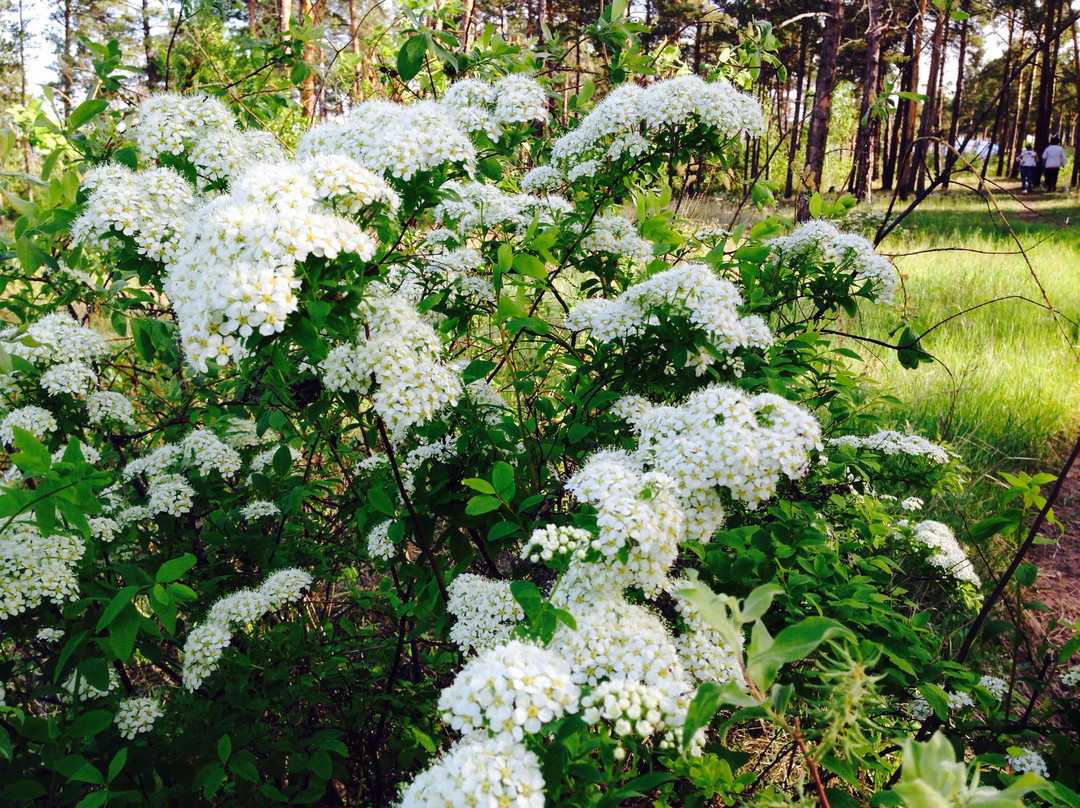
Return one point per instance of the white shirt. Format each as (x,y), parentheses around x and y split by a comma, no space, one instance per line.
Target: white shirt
(1053,156)
(1029,157)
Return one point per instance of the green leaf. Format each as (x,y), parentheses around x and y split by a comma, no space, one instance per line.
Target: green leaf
(90,724)
(117,763)
(792,644)
(123,631)
(815,205)
(481,505)
(502,476)
(758,602)
(477,484)
(116,605)
(33,457)
(85,111)
(528,595)
(1026,573)
(410,59)
(94,799)
(530,265)
(224,748)
(174,568)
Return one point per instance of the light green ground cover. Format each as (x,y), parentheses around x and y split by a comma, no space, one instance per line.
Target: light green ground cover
(1006,387)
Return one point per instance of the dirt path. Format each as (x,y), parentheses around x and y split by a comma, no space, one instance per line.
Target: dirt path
(1059,563)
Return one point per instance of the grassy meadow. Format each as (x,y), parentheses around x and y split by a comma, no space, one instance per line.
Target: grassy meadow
(1005,386)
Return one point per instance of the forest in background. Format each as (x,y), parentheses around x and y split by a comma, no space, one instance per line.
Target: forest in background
(926,77)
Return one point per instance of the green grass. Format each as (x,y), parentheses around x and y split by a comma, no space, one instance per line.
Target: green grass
(1005,388)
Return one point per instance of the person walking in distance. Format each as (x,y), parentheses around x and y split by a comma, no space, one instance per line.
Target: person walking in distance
(1053,159)
(1029,161)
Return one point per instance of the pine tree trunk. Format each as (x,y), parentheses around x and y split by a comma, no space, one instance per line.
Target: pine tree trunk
(954,120)
(1076,132)
(1022,120)
(906,170)
(797,113)
(148,48)
(818,135)
(307,87)
(1044,104)
(284,15)
(929,118)
(864,139)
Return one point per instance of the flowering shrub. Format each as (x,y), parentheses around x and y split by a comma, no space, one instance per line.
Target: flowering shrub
(404,467)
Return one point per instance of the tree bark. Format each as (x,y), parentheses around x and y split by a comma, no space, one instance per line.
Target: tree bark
(1076,133)
(797,113)
(954,120)
(1048,47)
(818,135)
(284,15)
(307,87)
(929,119)
(868,126)
(906,171)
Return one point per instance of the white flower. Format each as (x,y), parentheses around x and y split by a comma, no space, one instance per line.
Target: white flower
(819,239)
(379,543)
(995,685)
(691,290)
(479,771)
(1025,761)
(110,408)
(892,442)
(35,420)
(34,568)
(137,715)
(73,378)
(485,609)
(515,689)
(946,552)
(259,509)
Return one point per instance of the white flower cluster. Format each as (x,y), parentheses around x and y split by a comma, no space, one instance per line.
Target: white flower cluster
(629,117)
(62,348)
(152,207)
(170,123)
(819,239)
(399,358)
(201,450)
(638,518)
(169,493)
(702,651)
(479,771)
(514,689)
(486,612)
(1071,677)
(615,639)
(207,642)
(556,541)
(641,711)
(912,504)
(35,420)
(259,509)
(104,407)
(947,554)
(477,106)
(137,715)
(34,568)
(235,273)
(689,289)
(616,235)
(721,437)
(1026,761)
(225,154)
(78,687)
(892,442)
(379,544)
(395,140)
(995,686)
(480,208)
